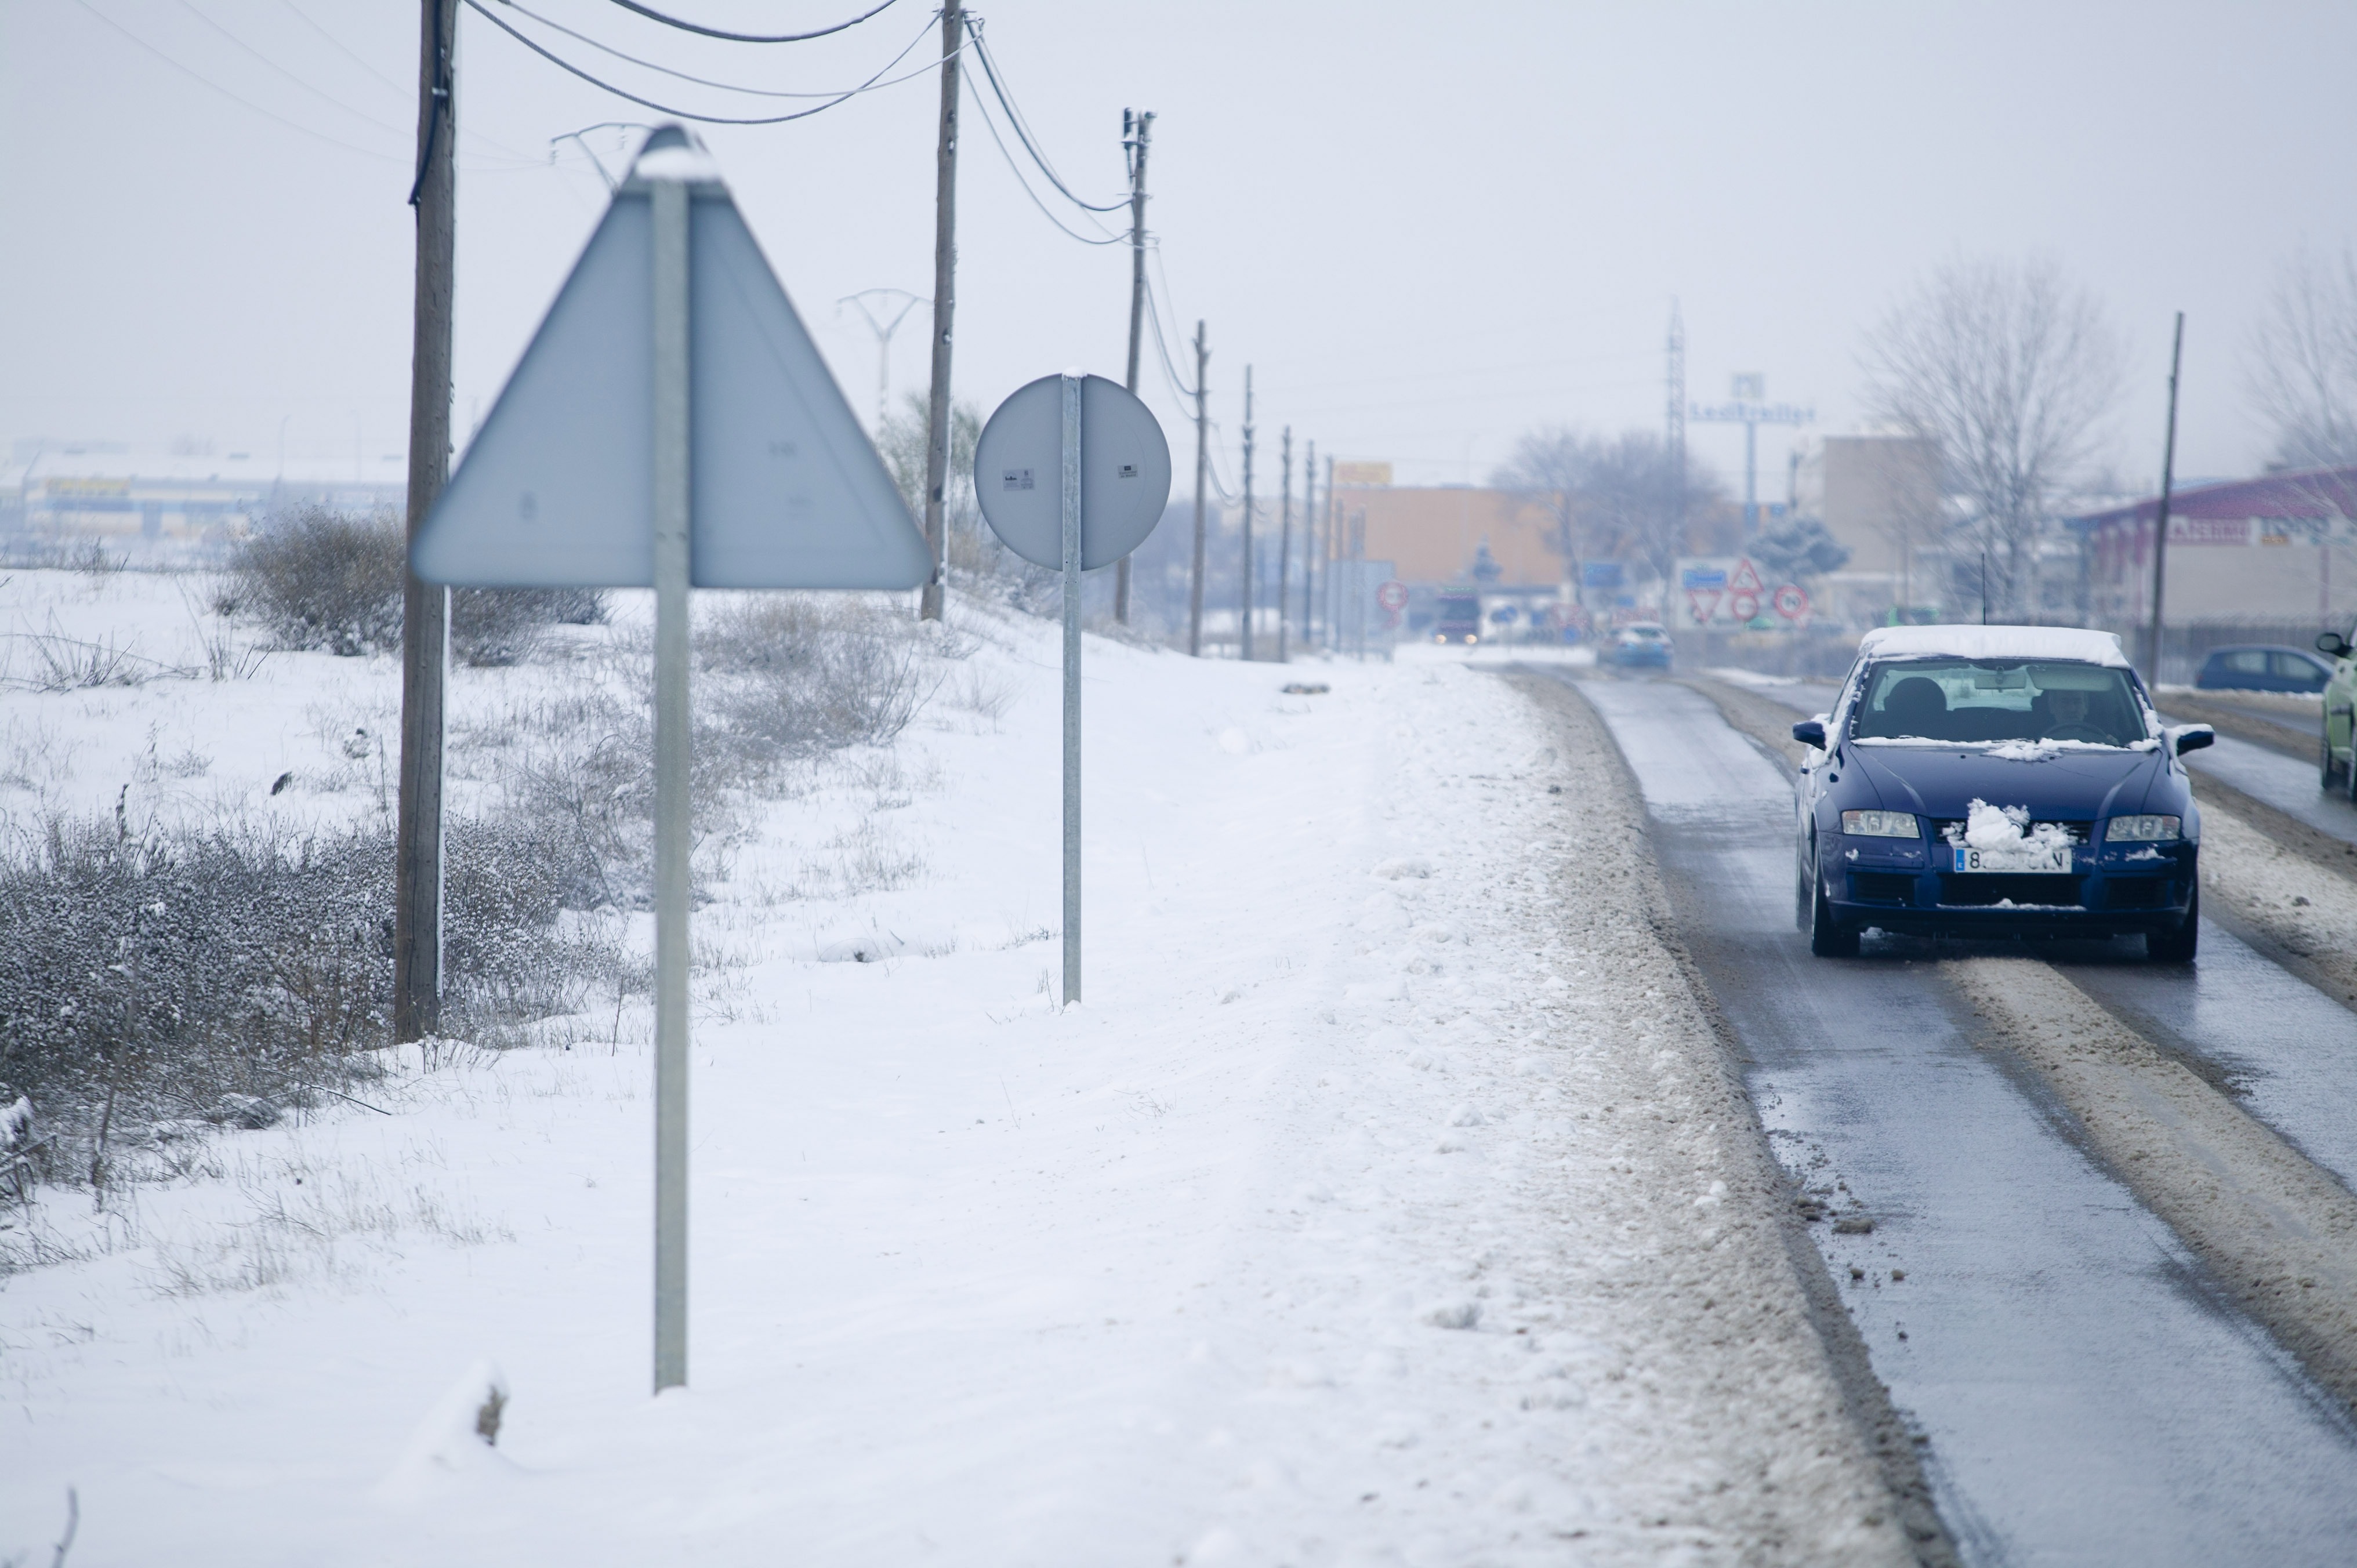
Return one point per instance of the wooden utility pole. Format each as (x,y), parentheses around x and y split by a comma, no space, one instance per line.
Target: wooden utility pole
(1202,466)
(2168,483)
(1243,642)
(1136,130)
(937,408)
(1308,541)
(1285,545)
(425,607)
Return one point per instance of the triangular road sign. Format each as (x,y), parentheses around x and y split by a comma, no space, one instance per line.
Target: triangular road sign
(557,489)
(1745,579)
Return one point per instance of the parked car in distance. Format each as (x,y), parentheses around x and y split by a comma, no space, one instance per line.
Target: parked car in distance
(1997,781)
(2340,710)
(2259,669)
(1457,618)
(1644,646)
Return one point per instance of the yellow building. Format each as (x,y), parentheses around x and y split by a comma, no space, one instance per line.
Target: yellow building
(1433,536)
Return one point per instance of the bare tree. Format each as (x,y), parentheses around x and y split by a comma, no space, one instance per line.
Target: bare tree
(1612,498)
(1547,468)
(2301,363)
(2006,367)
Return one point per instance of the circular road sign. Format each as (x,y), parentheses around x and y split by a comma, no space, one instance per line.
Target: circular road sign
(1125,472)
(1392,595)
(1792,601)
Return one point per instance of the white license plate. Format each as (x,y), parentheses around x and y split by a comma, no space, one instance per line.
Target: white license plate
(2014,862)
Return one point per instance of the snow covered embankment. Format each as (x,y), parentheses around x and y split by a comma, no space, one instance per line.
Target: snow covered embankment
(1385,1202)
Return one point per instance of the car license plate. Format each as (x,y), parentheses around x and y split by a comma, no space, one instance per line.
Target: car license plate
(2014,862)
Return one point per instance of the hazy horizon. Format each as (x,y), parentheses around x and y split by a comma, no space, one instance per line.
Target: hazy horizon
(1425,241)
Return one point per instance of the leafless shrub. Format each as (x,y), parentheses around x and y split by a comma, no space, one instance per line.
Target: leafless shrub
(199,974)
(793,676)
(495,626)
(319,578)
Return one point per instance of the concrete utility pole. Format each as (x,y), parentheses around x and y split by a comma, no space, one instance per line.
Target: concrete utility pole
(425,607)
(937,411)
(1244,644)
(1284,544)
(2168,483)
(1202,468)
(1308,541)
(1137,131)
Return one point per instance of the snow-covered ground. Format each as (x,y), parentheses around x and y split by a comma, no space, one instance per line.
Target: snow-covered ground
(1364,1212)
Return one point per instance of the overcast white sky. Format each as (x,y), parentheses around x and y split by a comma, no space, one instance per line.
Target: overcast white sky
(1428,228)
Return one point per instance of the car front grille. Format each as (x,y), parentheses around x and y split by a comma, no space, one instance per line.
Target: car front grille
(1951,830)
(1980,889)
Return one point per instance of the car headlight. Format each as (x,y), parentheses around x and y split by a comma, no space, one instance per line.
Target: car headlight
(2140,830)
(1881,824)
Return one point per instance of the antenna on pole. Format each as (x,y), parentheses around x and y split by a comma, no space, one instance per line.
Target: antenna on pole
(1675,437)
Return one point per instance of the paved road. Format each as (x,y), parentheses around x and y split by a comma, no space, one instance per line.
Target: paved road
(2090,1395)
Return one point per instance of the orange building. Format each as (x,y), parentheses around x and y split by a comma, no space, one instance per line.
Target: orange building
(1433,536)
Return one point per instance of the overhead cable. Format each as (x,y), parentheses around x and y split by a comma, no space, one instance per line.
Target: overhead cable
(1022,131)
(555,26)
(687,27)
(562,64)
(225,92)
(1016,171)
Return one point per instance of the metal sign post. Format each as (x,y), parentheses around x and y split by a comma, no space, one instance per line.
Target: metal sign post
(1113,479)
(1069,504)
(672,426)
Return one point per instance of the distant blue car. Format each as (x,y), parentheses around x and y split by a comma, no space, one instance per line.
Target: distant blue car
(1643,646)
(1992,781)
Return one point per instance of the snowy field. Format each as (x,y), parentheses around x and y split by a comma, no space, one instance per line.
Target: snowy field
(1325,1231)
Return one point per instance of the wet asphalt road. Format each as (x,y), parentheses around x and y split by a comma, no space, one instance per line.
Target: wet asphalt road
(2088,1393)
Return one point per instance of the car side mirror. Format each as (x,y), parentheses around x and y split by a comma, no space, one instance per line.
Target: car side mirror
(2193,737)
(2332,645)
(1811,732)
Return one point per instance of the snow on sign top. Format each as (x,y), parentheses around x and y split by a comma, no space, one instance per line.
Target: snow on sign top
(557,489)
(1994,642)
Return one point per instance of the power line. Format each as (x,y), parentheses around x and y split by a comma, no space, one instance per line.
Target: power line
(683,75)
(345,50)
(1016,171)
(566,65)
(273,65)
(225,92)
(687,27)
(1023,132)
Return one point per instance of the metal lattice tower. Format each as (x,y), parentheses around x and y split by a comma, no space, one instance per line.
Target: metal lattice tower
(1675,436)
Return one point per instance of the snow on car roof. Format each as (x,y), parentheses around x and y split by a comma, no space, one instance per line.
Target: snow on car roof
(1994,642)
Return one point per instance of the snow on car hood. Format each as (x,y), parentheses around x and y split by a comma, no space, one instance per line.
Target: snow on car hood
(2070,780)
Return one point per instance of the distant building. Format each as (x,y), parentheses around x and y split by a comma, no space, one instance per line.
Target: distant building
(1449,534)
(160,509)
(2279,551)
(1880,497)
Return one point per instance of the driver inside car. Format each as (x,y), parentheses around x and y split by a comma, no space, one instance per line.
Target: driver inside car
(2070,720)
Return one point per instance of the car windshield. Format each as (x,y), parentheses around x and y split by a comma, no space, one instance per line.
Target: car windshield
(1995,701)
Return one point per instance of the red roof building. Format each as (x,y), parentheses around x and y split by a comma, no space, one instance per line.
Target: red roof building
(2282,547)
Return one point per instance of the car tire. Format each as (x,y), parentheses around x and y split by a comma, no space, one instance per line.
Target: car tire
(2349,769)
(2179,945)
(2327,771)
(1827,938)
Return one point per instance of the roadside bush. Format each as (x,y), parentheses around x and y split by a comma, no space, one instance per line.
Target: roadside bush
(218,975)
(319,578)
(790,676)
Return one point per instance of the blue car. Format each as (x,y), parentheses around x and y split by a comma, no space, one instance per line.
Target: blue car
(1643,646)
(1993,780)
